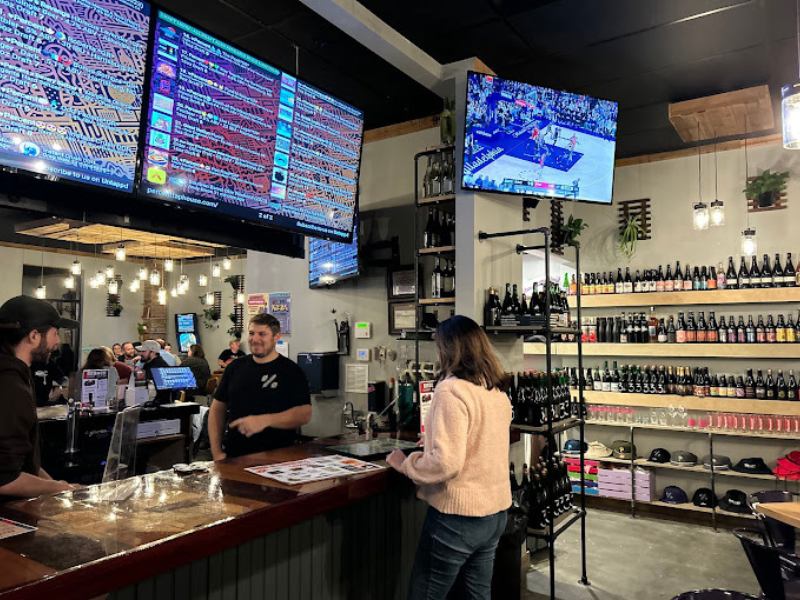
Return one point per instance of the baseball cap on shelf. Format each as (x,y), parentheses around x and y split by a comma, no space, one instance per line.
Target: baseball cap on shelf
(721,462)
(753,466)
(623,449)
(734,501)
(597,450)
(682,458)
(150,345)
(674,495)
(704,497)
(660,455)
(573,447)
(27,313)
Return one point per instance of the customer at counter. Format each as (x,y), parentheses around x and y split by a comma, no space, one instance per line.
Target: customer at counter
(199,365)
(463,470)
(28,333)
(233,352)
(262,399)
(49,381)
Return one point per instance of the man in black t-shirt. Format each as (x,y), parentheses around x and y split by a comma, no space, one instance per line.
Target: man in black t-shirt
(233,352)
(49,381)
(262,399)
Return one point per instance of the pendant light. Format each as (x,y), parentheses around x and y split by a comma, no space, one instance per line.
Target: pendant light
(162,296)
(41,290)
(113,287)
(69,282)
(240,298)
(100,278)
(717,206)
(142,274)
(173,291)
(790,101)
(134,285)
(700,210)
(169,265)
(210,299)
(749,242)
(110,272)
(216,271)
(155,277)
(75,269)
(202,280)
(93,283)
(226,263)
(120,253)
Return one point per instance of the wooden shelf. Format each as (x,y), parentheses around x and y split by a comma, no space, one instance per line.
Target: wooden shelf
(163,438)
(435,301)
(439,250)
(756,351)
(691,507)
(735,405)
(436,199)
(754,436)
(760,296)
(640,462)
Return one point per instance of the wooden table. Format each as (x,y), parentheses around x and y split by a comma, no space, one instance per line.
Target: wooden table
(785,512)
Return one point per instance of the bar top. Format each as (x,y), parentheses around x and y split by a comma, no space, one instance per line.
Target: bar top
(85,546)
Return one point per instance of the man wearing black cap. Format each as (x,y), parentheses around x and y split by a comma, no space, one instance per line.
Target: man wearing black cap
(28,333)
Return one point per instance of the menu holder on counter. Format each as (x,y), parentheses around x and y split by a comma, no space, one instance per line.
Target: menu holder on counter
(297,472)
(9,528)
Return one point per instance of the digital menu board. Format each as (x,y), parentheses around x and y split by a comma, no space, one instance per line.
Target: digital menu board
(71,86)
(229,133)
(329,262)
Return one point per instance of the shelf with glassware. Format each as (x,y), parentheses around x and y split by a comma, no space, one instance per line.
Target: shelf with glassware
(692,298)
(542,402)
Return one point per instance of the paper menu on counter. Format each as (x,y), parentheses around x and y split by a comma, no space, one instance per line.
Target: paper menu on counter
(307,470)
(9,528)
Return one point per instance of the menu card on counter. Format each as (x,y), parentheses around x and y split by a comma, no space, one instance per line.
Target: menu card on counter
(9,528)
(314,469)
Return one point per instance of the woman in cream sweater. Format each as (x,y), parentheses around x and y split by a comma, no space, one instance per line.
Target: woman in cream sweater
(463,471)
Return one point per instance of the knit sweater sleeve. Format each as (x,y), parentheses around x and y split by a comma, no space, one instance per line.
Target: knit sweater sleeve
(445,441)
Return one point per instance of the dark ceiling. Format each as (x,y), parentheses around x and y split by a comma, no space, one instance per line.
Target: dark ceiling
(644,54)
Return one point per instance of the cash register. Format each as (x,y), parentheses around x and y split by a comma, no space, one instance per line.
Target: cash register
(175,381)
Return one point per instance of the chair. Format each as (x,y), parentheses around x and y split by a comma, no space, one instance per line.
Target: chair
(211,385)
(780,535)
(714,594)
(777,571)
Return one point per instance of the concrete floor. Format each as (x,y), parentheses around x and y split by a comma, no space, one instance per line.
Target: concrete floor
(641,559)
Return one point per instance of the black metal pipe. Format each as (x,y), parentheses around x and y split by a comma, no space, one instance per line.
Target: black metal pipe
(482,235)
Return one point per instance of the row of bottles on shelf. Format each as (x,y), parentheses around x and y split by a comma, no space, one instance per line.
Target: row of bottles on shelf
(546,484)
(440,175)
(533,405)
(495,311)
(636,328)
(683,381)
(440,230)
(701,278)
(443,279)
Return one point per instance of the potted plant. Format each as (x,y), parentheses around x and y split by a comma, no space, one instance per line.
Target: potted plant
(116,309)
(568,232)
(629,235)
(766,188)
(234,281)
(141,328)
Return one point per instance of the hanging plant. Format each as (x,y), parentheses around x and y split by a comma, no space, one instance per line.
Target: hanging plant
(629,235)
(233,280)
(766,188)
(568,232)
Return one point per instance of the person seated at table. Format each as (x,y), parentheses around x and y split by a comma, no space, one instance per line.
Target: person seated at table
(168,349)
(199,365)
(102,357)
(49,381)
(129,354)
(118,354)
(169,358)
(262,399)
(233,352)
(28,333)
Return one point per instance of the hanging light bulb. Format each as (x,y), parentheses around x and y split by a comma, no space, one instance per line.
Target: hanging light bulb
(162,296)
(240,298)
(110,272)
(120,254)
(216,271)
(701,219)
(749,243)
(134,285)
(113,287)
(155,277)
(210,299)
(100,278)
(143,274)
(202,280)
(93,283)
(69,282)
(174,292)
(41,292)
(226,263)
(75,269)
(717,213)
(169,265)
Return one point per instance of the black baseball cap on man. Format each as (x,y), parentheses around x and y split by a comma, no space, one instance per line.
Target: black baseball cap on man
(27,313)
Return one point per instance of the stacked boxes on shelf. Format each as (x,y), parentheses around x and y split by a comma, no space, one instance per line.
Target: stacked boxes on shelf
(615,482)
(591,479)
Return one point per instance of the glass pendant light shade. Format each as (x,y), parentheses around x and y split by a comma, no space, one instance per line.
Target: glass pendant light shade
(120,254)
(110,272)
(100,278)
(700,218)
(162,296)
(143,274)
(717,213)
(41,292)
(226,263)
(216,271)
(134,285)
(210,299)
(93,283)
(155,277)
(174,292)
(202,280)
(113,287)
(75,269)
(790,110)
(749,243)
(240,298)
(69,282)
(169,265)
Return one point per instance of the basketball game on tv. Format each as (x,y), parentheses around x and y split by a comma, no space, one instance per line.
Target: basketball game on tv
(530,140)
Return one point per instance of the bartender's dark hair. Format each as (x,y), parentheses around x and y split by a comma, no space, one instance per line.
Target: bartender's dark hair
(466,353)
(11,334)
(268,320)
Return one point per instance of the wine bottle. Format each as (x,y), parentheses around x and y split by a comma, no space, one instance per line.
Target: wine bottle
(788,273)
(777,272)
(742,336)
(436,279)
(791,335)
(771,331)
(761,390)
(637,283)
(672,334)
(712,331)
(628,282)
(749,385)
(523,307)
(744,276)
(691,329)
(791,387)
(687,279)
(660,281)
(652,327)
(678,282)
(780,330)
(429,234)
(780,387)
(702,328)
(619,285)
(515,304)
(755,274)
(732,334)
(696,284)
(680,332)
(508,303)
(769,385)
(766,273)
(761,331)
(730,276)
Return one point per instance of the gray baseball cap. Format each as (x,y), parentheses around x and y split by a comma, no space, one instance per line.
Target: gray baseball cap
(721,462)
(682,458)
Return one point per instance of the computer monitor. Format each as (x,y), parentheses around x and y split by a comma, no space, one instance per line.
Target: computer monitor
(174,378)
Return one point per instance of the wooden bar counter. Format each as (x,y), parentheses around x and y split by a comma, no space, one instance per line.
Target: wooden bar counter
(222,534)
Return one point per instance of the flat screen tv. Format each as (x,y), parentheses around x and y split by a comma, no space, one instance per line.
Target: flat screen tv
(231,134)
(534,141)
(329,262)
(186,330)
(71,82)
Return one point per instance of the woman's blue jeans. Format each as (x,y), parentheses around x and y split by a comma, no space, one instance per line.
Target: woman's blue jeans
(455,550)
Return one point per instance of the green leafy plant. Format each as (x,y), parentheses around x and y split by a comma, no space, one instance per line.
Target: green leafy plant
(235,332)
(210,317)
(572,229)
(141,329)
(233,280)
(629,235)
(116,309)
(766,187)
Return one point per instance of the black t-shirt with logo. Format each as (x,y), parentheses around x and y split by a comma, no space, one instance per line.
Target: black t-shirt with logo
(248,388)
(45,374)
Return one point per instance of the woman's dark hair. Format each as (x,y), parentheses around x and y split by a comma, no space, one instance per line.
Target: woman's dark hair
(98,358)
(197,351)
(465,353)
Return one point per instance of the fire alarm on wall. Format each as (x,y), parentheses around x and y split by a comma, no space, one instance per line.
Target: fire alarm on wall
(363,330)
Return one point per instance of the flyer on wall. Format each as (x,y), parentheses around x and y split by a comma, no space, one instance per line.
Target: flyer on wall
(280,307)
(256,303)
